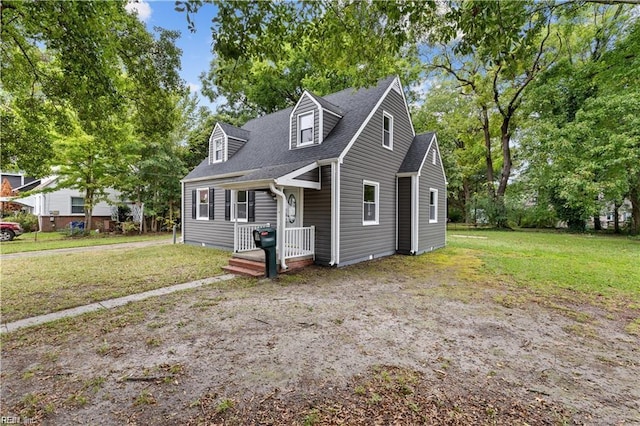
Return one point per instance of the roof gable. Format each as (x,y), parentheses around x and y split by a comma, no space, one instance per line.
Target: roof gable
(269,135)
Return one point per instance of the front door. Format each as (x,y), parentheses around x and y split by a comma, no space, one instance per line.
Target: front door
(293,207)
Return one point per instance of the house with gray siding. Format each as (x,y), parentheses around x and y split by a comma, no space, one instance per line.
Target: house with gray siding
(343,178)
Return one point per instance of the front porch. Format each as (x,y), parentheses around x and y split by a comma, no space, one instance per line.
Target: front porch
(299,250)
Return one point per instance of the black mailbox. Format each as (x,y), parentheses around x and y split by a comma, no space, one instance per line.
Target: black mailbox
(265,238)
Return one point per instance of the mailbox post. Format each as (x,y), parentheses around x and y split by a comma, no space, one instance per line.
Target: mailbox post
(265,238)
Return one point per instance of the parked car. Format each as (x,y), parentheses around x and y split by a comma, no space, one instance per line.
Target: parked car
(9,230)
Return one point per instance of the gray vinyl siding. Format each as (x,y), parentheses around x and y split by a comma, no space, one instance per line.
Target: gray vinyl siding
(369,160)
(329,121)
(317,212)
(404,215)
(233,147)
(218,232)
(266,209)
(217,133)
(310,176)
(306,105)
(432,235)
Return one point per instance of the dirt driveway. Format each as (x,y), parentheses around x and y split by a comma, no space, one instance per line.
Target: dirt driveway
(364,345)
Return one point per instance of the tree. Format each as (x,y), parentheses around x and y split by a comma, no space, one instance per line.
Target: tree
(459,128)
(267,53)
(91,84)
(579,155)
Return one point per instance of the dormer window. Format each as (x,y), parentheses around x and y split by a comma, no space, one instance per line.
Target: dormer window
(387,130)
(305,126)
(218,150)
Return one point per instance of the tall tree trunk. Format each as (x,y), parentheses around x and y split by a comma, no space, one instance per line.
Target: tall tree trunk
(88,210)
(487,153)
(634,197)
(596,222)
(505,140)
(616,217)
(467,201)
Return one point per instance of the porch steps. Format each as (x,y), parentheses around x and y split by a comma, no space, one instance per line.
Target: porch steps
(255,268)
(245,267)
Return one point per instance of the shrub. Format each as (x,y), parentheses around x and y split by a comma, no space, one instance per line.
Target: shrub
(27,221)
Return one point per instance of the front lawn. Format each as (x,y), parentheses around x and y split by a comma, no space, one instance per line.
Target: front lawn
(33,241)
(548,261)
(35,286)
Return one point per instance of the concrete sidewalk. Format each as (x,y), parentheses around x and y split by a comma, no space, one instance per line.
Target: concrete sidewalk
(85,249)
(108,304)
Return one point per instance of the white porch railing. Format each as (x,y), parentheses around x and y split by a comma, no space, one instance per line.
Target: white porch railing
(299,242)
(243,237)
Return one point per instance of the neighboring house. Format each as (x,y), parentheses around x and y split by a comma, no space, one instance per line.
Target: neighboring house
(343,178)
(56,208)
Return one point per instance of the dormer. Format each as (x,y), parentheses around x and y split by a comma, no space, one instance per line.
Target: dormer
(311,120)
(225,140)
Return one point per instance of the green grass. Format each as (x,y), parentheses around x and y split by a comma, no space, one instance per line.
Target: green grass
(597,265)
(33,241)
(35,286)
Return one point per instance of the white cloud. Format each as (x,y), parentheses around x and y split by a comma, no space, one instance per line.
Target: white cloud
(140,8)
(193,87)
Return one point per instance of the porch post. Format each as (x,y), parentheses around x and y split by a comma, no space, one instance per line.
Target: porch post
(234,209)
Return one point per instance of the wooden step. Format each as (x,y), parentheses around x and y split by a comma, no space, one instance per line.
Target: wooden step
(238,270)
(247,264)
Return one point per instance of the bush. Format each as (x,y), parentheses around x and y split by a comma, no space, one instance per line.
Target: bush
(27,221)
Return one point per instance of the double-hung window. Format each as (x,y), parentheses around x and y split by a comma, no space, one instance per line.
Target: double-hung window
(218,150)
(387,130)
(77,205)
(242,206)
(305,128)
(433,205)
(370,202)
(203,203)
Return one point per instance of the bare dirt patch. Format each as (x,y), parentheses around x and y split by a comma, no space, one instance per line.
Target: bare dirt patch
(364,345)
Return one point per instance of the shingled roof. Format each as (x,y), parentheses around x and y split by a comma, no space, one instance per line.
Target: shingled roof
(415,156)
(268,136)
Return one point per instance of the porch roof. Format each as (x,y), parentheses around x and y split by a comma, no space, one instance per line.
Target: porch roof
(263,177)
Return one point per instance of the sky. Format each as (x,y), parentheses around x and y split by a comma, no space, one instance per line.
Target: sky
(196,47)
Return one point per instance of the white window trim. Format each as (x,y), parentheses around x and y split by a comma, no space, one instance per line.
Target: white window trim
(214,150)
(435,191)
(376,185)
(198,204)
(299,130)
(433,160)
(71,213)
(234,203)
(390,117)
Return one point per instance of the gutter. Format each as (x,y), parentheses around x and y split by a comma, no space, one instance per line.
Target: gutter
(280,223)
(222,176)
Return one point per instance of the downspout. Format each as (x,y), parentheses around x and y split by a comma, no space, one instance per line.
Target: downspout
(281,224)
(333,214)
(182,209)
(338,211)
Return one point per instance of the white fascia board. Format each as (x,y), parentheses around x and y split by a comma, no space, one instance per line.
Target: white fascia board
(426,155)
(297,183)
(332,113)
(406,105)
(406,174)
(366,121)
(435,139)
